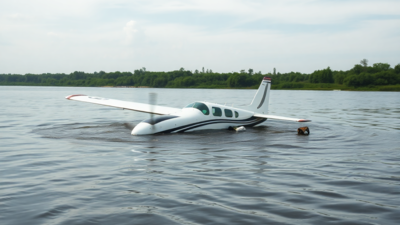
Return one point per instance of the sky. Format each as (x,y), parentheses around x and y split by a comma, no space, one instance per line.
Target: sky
(54,36)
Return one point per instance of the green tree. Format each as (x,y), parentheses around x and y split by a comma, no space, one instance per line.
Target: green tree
(364,62)
(251,72)
(160,82)
(357,69)
(237,80)
(386,77)
(381,66)
(322,76)
(397,69)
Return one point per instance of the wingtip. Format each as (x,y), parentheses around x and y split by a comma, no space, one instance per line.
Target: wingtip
(303,120)
(70,96)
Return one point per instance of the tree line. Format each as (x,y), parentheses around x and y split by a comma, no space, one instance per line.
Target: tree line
(360,75)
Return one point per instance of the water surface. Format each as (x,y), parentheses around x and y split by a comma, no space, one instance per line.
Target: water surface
(67,162)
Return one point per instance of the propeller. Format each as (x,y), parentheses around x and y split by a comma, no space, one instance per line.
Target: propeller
(152,103)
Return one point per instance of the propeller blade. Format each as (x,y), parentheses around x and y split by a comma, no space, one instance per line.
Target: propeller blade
(152,103)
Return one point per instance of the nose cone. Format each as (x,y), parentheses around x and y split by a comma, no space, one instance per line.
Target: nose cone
(143,129)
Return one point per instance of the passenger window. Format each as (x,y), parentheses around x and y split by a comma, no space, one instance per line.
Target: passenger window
(228,112)
(216,111)
(236,114)
(202,107)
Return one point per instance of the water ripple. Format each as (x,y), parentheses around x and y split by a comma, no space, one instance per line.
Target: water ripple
(71,163)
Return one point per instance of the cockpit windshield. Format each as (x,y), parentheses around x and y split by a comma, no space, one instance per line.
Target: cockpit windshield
(200,106)
(190,105)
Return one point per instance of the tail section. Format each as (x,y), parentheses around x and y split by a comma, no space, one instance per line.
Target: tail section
(261,99)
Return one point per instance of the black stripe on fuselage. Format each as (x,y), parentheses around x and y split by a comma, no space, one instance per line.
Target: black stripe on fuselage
(252,121)
(248,123)
(159,119)
(207,122)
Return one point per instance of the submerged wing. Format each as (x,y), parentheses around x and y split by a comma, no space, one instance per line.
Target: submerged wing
(140,107)
(279,118)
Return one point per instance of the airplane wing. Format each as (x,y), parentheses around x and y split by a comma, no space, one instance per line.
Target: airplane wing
(135,106)
(279,118)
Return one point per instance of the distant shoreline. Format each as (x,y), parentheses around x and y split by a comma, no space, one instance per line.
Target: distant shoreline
(379,77)
(387,88)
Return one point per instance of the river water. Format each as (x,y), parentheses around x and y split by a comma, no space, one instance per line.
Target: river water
(67,162)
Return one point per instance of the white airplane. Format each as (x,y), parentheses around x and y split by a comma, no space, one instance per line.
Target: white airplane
(197,115)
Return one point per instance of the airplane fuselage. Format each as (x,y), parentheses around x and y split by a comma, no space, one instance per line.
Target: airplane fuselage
(198,116)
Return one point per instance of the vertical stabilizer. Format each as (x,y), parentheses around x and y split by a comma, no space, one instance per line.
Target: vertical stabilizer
(261,99)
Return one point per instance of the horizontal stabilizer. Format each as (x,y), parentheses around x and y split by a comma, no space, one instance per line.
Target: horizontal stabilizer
(135,106)
(279,118)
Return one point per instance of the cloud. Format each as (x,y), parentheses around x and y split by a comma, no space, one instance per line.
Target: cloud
(17,16)
(53,34)
(130,31)
(302,35)
(287,11)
